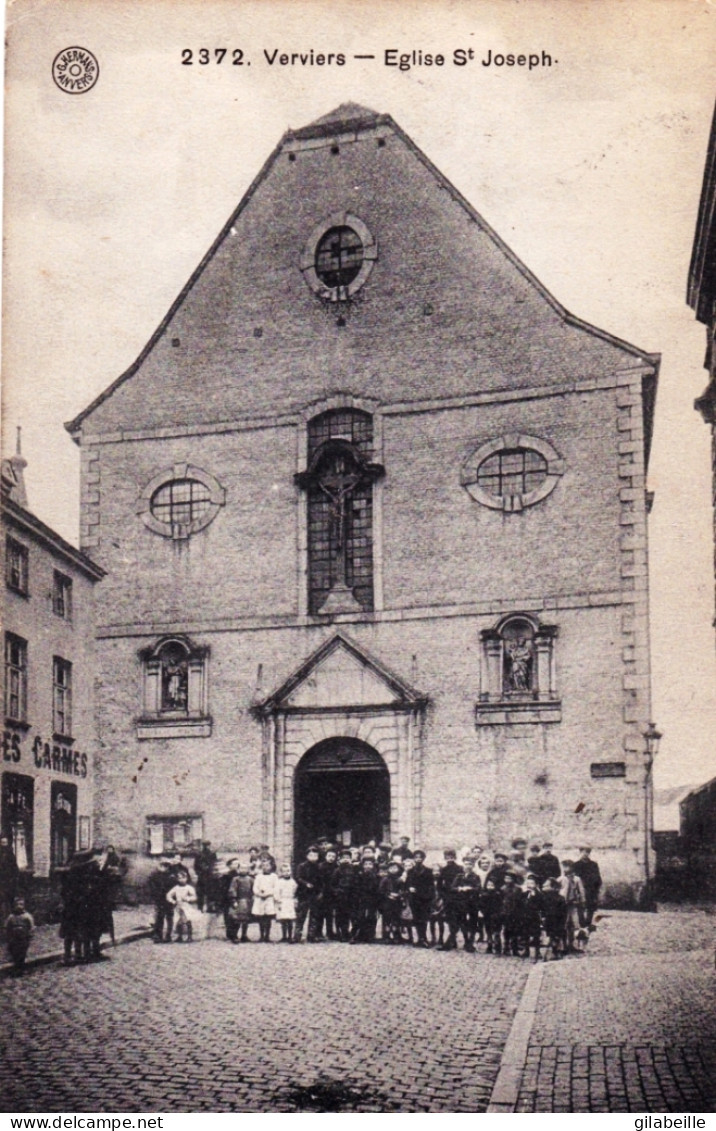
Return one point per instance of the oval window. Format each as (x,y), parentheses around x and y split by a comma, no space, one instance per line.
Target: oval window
(180,502)
(512,471)
(339,256)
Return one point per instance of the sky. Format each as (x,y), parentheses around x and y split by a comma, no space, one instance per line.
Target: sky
(590,170)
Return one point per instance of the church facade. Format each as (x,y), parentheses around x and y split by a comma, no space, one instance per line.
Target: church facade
(371,506)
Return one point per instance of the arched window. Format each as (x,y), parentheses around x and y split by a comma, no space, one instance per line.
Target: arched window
(518,672)
(174,690)
(339,488)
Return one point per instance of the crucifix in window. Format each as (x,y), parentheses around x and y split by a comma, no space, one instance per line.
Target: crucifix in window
(339,484)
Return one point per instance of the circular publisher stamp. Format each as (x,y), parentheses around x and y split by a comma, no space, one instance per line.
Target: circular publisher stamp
(75,70)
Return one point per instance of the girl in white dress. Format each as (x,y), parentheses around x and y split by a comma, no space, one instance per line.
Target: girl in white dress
(264,905)
(286,903)
(183,897)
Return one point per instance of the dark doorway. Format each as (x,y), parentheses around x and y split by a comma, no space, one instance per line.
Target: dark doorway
(341,791)
(63,823)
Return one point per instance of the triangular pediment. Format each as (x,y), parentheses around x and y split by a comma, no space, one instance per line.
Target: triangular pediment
(339,674)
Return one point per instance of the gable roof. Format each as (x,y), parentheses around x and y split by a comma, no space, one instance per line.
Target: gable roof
(352,119)
(402,693)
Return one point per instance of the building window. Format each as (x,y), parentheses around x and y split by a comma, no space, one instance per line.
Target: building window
(62,697)
(175,697)
(15,678)
(518,672)
(62,596)
(338,257)
(339,489)
(17,816)
(180,501)
(512,472)
(16,566)
(174,834)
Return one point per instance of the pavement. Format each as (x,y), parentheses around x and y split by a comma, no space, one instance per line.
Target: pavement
(130,923)
(630,1026)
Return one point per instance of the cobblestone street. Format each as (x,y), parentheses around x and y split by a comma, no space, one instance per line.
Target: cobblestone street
(219,1028)
(210,1027)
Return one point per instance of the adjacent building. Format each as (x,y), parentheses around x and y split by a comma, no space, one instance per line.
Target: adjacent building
(371,505)
(702,295)
(48,744)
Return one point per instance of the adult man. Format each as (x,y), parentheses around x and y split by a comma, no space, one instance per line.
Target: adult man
(204,862)
(550,866)
(161,882)
(421,889)
(9,875)
(466,891)
(309,895)
(588,872)
(403,849)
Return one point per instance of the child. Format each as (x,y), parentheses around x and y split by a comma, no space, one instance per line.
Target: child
(183,898)
(531,917)
(286,889)
(264,906)
(391,893)
(573,892)
(365,894)
(241,891)
(511,915)
(491,911)
(554,916)
(406,910)
(437,912)
(19,929)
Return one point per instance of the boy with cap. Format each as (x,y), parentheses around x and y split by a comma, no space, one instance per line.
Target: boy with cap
(573,891)
(466,889)
(391,894)
(511,915)
(554,916)
(342,883)
(420,889)
(448,874)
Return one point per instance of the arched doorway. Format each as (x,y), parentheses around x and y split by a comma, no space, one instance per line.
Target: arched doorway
(341,791)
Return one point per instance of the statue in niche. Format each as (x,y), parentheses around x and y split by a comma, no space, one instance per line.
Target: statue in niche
(518,664)
(175,680)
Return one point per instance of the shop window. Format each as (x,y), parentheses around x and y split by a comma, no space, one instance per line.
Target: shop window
(17,816)
(339,488)
(16,566)
(61,697)
(62,596)
(175,700)
(15,678)
(174,834)
(518,672)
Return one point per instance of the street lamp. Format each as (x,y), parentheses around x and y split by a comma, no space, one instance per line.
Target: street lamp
(651,748)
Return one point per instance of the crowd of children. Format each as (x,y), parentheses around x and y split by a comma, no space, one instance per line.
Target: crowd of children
(520,903)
